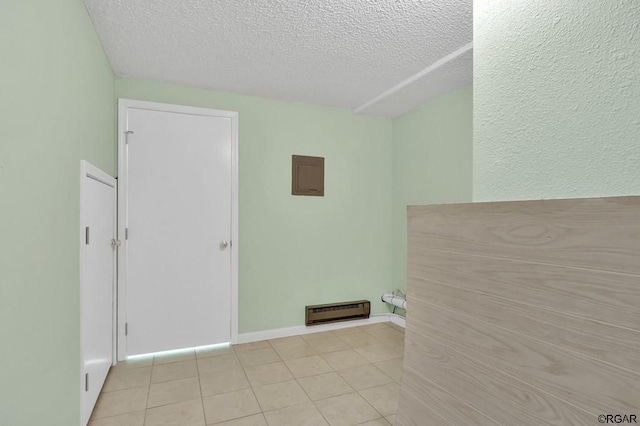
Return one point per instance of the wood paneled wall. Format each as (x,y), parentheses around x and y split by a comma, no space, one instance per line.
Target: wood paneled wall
(522,313)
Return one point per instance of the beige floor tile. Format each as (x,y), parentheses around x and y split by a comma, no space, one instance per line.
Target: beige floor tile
(173,371)
(187,413)
(309,366)
(363,377)
(325,386)
(145,361)
(174,357)
(292,348)
(251,346)
(214,351)
(329,344)
(346,410)
(386,334)
(120,402)
(127,378)
(379,353)
(217,364)
(229,406)
(260,375)
(129,419)
(258,357)
(299,415)
(399,348)
(173,392)
(286,342)
(358,340)
(315,336)
(396,327)
(391,419)
(178,380)
(376,422)
(383,398)
(392,368)
(346,331)
(375,326)
(223,382)
(396,342)
(345,359)
(280,395)
(255,420)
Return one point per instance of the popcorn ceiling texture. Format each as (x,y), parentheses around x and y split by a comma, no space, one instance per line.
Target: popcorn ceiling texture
(556,99)
(329,52)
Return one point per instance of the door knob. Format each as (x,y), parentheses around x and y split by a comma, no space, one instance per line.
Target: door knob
(223,245)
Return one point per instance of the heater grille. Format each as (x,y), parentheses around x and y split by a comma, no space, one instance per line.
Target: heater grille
(335,312)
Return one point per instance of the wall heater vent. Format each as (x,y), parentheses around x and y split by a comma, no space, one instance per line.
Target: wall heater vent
(335,312)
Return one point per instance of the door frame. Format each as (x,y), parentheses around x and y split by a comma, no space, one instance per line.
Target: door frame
(123,106)
(88,170)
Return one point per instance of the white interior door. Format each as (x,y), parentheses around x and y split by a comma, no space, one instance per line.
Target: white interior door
(98,229)
(178,174)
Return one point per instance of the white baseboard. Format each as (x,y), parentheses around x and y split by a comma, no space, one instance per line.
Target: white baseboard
(302,329)
(397,320)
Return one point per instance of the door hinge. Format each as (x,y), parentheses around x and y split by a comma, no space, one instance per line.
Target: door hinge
(86,235)
(126,233)
(86,382)
(126,328)
(115,243)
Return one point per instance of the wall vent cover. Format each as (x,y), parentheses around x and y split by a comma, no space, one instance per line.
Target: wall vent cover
(336,312)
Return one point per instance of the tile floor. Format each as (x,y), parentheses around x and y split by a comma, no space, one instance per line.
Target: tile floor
(344,377)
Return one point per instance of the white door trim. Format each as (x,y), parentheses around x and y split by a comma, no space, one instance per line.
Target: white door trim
(88,170)
(123,105)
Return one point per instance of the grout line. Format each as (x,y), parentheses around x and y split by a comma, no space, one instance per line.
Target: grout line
(251,387)
(91,419)
(173,362)
(146,404)
(370,404)
(307,394)
(204,416)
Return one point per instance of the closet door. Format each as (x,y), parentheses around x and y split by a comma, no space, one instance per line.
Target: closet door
(97,261)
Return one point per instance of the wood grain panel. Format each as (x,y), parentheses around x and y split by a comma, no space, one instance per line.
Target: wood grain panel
(523,313)
(510,402)
(585,382)
(604,296)
(417,413)
(592,233)
(432,397)
(615,345)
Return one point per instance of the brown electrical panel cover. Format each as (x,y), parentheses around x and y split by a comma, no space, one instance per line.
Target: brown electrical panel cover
(307,175)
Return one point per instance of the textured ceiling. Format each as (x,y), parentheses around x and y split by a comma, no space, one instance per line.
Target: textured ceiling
(339,53)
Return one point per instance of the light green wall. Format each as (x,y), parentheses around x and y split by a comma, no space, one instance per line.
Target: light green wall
(56,107)
(556,99)
(432,160)
(296,251)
